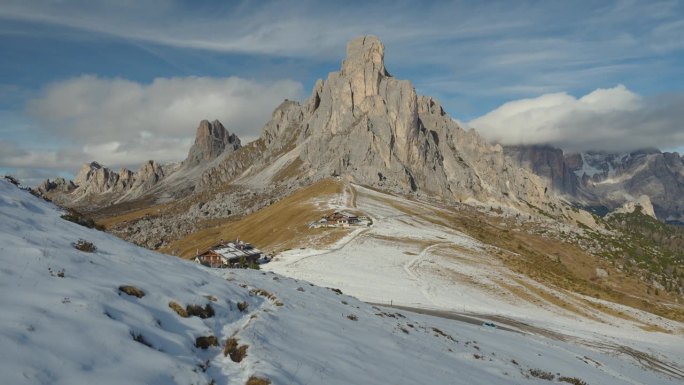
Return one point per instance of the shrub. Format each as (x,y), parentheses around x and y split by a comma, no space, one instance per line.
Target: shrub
(572,380)
(542,374)
(198,311)
(85,246)
(242,306)
(258,381)
(74,216)
(132,290)
(206,342)
(267,294)
(236,352)
(12,180)
(192,310)
(178,309)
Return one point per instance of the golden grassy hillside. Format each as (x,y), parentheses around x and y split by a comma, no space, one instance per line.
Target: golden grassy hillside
(280,226)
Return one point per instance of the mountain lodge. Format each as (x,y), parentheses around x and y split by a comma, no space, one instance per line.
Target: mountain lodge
(229,254)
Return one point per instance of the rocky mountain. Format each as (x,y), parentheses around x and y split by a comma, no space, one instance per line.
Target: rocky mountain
(360,124)
(606,180)
(363,124)
(547,162)
(96,185)
(212,140)
(612,179)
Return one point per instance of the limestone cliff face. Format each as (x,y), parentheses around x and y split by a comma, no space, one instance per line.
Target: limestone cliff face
(95,180)
(96,185)
(211,140)
(363,124)
(547,162)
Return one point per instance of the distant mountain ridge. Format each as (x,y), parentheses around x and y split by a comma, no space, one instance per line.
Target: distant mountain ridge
(102,185)
(598,178)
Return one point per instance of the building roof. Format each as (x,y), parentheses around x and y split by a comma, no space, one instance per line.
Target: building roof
(234,250)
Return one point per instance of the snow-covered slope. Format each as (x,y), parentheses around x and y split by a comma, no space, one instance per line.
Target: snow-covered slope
(64,320)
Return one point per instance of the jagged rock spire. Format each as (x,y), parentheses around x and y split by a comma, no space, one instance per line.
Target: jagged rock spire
(365,66)
(211,140)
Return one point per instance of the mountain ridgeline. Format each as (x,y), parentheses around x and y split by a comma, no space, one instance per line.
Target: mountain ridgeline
(363,124)
(605,181)
(360,123)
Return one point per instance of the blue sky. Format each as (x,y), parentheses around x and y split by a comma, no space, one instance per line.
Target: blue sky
(125,81)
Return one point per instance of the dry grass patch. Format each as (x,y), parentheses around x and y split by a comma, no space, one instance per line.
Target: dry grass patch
(178,309)
(192,310)
(555,300)
(258,381)
(544,375)
(85,246)
(198,311)
(205,342)
(132,290)
(233,349)
(289,171)
(266,294)
(129,211)
(572,380)
(282,225)
(654,328)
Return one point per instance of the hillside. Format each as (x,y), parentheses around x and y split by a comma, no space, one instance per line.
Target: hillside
(94,315)
(511,259)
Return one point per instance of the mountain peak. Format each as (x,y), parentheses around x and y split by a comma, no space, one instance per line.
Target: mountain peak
(364,66)
(365,51)
(211,140)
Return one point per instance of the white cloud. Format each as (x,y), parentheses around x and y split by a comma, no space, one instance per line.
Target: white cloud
(123,123)
(605,119)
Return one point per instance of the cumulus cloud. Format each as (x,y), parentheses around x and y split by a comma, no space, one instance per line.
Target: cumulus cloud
(614,119)
(123,123)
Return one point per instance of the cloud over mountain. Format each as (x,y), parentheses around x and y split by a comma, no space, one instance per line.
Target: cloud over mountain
(615,119)
(122,122)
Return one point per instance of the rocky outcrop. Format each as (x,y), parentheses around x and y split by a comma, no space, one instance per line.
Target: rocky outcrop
(211,140)
(547,162)
(60,185)
(643,203)
(363,124)
(96,185)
